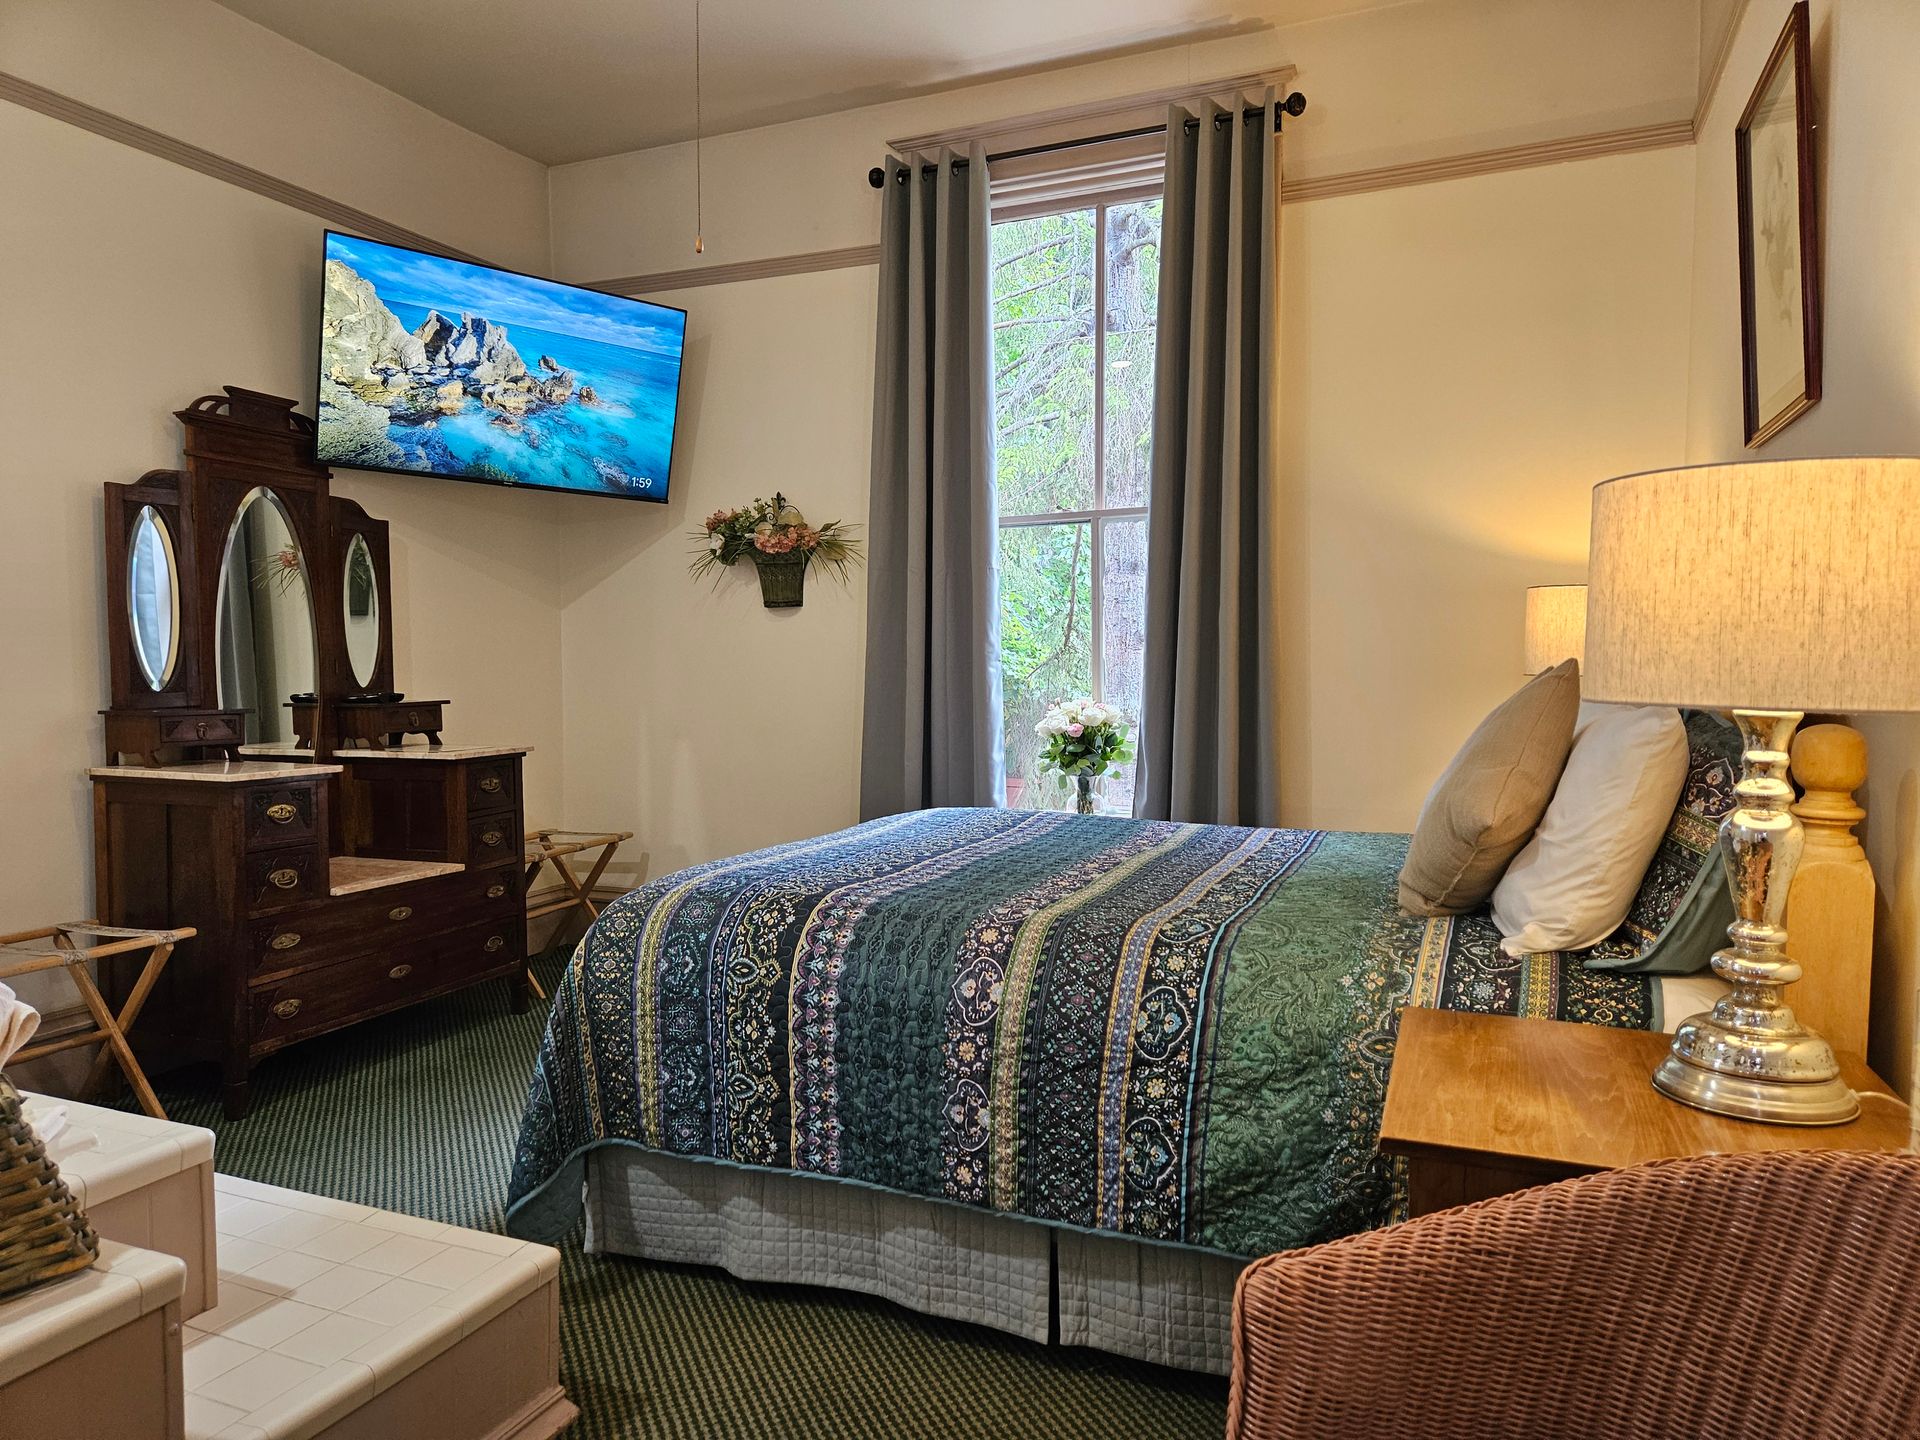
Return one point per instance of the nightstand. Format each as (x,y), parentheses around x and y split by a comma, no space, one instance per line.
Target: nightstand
(1483,1104)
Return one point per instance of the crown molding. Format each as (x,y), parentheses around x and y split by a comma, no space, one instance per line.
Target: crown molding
(1489,162)
(130,133)
(51,103)
(805,263)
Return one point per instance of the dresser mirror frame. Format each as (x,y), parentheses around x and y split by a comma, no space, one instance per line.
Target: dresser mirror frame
(236,443)
(350,524)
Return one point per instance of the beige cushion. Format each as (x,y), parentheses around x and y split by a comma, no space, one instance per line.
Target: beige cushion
(1489,800)
(1571,884)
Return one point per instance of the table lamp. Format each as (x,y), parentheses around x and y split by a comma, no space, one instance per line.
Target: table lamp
(1556,626)
(1768,589)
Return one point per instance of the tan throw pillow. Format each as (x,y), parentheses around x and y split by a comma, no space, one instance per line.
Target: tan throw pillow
(1489,800)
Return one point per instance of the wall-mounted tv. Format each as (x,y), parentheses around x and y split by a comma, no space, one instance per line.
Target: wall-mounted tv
(431,366)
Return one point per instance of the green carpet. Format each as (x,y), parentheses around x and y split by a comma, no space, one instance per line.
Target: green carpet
(417,1112)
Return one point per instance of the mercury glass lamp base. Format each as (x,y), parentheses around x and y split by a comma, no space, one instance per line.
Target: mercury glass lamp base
(1826,1101)
(1750,1057)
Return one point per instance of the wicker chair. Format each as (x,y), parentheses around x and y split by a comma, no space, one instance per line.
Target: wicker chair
(1724,1296)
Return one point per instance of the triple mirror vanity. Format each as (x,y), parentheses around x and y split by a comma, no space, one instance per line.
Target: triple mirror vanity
(261,786)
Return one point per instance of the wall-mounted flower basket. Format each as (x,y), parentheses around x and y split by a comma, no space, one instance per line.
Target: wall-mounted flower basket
(783,579)
(777,538)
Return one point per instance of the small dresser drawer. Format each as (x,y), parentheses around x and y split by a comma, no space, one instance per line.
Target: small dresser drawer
(281,814)
(284,877)
(478,949)
(202,729)
(491,839)
(491,785)
(335,994)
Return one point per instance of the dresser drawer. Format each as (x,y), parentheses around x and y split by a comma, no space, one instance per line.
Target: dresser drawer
(492,785)
(491,839)
(281,814)
(392,916)
(332,995)
(202,729)
(480,949)
(276,878)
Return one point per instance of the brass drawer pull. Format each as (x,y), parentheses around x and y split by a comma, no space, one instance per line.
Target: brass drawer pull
(495,942)
(201,729)
(400,912)
(285,878)
(285,940)
(491,784)
(281,814)
(494,892)
(490,838)
(399,972)
(413,719)
(287,1009)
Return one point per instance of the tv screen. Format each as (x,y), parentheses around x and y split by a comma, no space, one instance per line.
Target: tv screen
(432,366)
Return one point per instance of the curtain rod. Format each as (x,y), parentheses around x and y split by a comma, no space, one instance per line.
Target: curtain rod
(1294,104)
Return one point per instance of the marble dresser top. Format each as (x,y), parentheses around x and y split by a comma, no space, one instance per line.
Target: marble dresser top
(392,752)
(40,1325)
(129,1153)
(217,772)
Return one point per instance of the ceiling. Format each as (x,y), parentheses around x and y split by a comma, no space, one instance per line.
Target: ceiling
(562,80)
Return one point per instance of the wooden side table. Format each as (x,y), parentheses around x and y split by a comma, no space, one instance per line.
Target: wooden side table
(1480,1105)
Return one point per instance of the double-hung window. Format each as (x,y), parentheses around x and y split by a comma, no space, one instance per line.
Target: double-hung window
(1075,291)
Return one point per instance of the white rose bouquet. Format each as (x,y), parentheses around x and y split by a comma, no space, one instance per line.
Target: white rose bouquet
(1083,738)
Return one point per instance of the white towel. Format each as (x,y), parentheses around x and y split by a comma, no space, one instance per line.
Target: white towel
(18,1021)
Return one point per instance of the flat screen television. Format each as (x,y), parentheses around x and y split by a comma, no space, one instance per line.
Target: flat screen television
(431,366)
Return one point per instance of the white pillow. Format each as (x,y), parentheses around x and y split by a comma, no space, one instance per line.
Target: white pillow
(1571,885)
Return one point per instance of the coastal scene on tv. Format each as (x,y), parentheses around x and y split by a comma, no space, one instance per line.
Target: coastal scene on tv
(450,368)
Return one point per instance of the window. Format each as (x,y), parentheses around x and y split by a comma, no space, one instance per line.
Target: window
(1074,299)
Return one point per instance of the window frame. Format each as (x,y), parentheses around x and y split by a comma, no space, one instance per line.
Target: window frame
(1100,515)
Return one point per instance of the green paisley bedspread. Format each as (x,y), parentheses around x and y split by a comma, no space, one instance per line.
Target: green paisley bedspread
(1176,1032)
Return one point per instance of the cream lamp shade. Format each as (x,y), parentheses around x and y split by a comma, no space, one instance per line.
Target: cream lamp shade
(1778,585)
(1556,626)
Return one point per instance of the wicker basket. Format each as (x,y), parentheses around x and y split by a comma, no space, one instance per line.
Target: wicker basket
(43,1235)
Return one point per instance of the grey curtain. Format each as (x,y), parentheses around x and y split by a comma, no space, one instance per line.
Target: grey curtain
(1207,728)
(931,728)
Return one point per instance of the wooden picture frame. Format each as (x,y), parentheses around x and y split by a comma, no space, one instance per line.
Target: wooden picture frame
(1779,239)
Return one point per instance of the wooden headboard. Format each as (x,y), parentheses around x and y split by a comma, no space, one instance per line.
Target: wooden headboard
(1830,908)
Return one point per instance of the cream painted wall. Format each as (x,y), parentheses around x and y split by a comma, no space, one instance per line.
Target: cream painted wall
(1460,364)
(135,286)
(1868,161)
(703,721)
(1385,86)
(198,72)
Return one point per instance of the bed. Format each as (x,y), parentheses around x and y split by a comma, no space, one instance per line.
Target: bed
(1059,1074)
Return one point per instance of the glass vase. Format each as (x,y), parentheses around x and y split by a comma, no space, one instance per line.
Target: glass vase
(1083,794)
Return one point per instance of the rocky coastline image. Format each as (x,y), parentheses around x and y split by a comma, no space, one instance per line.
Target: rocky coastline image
(435,365)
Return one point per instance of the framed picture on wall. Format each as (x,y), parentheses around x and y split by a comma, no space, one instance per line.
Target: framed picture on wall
(1779,240)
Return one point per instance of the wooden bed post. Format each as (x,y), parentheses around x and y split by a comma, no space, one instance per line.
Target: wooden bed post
(1830,911)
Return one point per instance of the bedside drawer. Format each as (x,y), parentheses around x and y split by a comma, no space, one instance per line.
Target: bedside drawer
(201,730)
(284,877)
(281,814)
(479,949)
(492,785)
(491,839)
(334,994)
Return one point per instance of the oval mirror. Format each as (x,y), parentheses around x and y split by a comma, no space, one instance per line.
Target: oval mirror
(153,598)
(360,597)
(264,619)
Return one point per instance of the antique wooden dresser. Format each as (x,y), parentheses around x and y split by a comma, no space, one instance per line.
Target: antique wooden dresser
(328,884)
